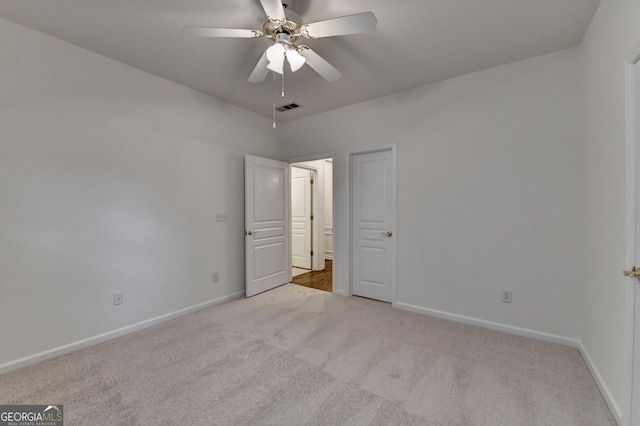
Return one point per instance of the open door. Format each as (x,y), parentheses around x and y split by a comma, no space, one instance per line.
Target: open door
(267,224)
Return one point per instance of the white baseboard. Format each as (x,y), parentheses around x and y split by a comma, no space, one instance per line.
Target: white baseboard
(525,332)
(604,389)
(55,352)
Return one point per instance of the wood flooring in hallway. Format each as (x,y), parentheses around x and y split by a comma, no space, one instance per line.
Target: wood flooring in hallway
(320,280)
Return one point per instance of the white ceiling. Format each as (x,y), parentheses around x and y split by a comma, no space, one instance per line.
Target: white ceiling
(417,42)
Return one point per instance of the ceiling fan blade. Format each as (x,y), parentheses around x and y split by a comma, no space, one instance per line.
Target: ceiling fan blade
(222,32)
(260,71)
(321,66)
(352,24)
(273,9)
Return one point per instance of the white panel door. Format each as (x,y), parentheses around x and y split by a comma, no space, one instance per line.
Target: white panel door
(373,206)
(301,217)
(635,410)
(267,235)
(328,209)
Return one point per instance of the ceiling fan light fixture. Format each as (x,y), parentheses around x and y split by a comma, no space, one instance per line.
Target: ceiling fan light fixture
(275,52)
(275,55)
(277,66)
(296,60)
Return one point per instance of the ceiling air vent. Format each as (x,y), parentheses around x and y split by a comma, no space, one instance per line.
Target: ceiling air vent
(288,107)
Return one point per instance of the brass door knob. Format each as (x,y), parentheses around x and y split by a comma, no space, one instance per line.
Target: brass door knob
(249,233)
(387,234)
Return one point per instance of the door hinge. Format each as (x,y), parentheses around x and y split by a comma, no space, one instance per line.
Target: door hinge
(311,217)
(635,273)
(311,181)
(311,252)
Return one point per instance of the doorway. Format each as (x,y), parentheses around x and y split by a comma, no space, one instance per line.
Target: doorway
(312,223)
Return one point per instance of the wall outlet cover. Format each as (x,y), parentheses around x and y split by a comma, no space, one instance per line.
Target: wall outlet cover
(118,298)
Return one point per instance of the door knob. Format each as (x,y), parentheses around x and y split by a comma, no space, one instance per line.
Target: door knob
(632,273)
(387,234)
(249,233)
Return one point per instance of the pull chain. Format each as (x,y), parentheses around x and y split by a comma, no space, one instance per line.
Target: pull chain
(283,84)
(274,102)
(274,115)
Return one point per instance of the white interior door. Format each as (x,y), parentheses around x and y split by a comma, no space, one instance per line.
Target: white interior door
(373,207)
(635,406)
(267,234)
(301,214)
(328,209)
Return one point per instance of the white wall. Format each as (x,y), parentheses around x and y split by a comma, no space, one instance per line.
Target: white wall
(110,179)
(611,41)
(489,190)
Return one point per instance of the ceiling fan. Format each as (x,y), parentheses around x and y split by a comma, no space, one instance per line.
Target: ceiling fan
(286,28)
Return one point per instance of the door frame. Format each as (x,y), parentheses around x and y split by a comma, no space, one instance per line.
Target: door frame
(294,162)
(314,211)
(394,241)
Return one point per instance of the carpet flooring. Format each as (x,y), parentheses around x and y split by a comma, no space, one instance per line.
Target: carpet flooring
(299,356)
(320,280)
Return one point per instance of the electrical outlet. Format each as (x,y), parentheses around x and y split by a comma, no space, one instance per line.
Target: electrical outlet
(216,278)
(506,296)
(118,298)
(221,217)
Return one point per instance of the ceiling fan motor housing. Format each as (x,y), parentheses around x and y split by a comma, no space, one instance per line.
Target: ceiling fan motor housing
(283,38)
(291,25)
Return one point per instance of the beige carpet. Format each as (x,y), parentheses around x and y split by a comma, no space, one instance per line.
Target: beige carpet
(296,356)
